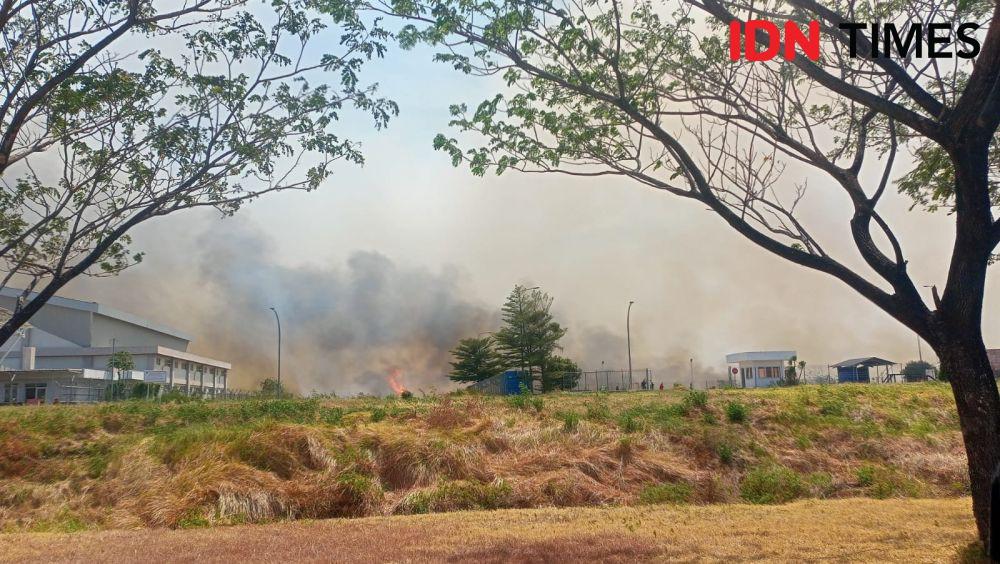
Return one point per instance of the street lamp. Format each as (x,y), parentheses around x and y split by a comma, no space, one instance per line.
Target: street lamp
(278,319)
(628,337)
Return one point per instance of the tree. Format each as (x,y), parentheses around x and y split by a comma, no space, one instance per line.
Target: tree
(559,373)
(476,359)
(116,112)
(794,372)
(121,361)
(530,335)
(648,92)
(917,370)
(269,387)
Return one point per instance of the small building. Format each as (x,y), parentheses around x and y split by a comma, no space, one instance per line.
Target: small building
(758,369)
(859,370)
(63,353)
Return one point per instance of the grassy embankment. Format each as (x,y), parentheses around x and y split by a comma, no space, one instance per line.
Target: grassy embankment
(137,464)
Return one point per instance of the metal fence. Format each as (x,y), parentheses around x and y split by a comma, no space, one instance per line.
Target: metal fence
(605,381)
(511,382)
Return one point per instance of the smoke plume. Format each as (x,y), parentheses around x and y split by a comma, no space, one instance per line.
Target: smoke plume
(345,328)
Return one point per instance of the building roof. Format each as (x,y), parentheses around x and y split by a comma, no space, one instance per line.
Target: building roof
(107,351)
(752,356)
(865,361)
(104,310)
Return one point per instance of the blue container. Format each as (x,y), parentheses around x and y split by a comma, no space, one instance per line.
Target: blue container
(511,383)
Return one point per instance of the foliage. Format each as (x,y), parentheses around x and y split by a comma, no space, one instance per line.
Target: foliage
(697,399)
(884,482)
(271,388)
(121,361)
(530,335)
(674,493)
(476,359)
(570,419)
(726,453)
(772,484)
(794,372)
(526,399)
(213,104)
(737,412)
(559,373)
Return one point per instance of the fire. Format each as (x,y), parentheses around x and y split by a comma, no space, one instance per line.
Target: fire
(394,377)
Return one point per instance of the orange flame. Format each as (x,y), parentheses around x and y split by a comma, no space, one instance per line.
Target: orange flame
(394,376)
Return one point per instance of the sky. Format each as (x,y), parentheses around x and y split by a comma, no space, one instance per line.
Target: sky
(387,265)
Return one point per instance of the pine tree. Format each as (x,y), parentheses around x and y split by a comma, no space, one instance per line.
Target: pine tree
(475,360)
(530,335)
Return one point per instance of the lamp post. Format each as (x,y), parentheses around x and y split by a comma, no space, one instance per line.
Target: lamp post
(628,337)
(278,320)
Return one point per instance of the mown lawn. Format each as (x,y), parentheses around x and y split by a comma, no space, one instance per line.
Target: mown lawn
(846,530)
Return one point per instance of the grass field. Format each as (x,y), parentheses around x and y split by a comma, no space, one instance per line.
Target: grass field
(848,530)
(196,464)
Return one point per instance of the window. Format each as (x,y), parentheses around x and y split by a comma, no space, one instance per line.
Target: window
(769,372)
(8,393)
(34,392)
(159,361)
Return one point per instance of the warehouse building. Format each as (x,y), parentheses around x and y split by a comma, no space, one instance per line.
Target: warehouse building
(62,354)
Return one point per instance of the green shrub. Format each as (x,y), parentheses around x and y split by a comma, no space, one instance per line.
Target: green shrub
(695,399)
(598,410)
(675,493)
(570,419)
(526,400)
(882,482)
(378,414)
(737,412)
(630,423)
(831,403)
(772,484)
(726,453)
(820,484)
(537,403)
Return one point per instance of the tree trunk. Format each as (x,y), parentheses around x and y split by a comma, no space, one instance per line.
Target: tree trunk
(967,367)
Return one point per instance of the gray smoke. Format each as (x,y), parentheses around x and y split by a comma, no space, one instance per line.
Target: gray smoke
(345,328)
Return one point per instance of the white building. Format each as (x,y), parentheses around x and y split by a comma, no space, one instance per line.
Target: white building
(63,353)
(758,369)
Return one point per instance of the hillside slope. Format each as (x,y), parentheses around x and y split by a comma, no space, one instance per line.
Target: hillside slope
(137,464)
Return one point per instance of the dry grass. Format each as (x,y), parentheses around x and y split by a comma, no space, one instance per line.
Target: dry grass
(889,531)
(201,463)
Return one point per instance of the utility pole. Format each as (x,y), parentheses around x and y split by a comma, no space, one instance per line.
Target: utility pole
(691,362)
(628,336)
(278,319)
